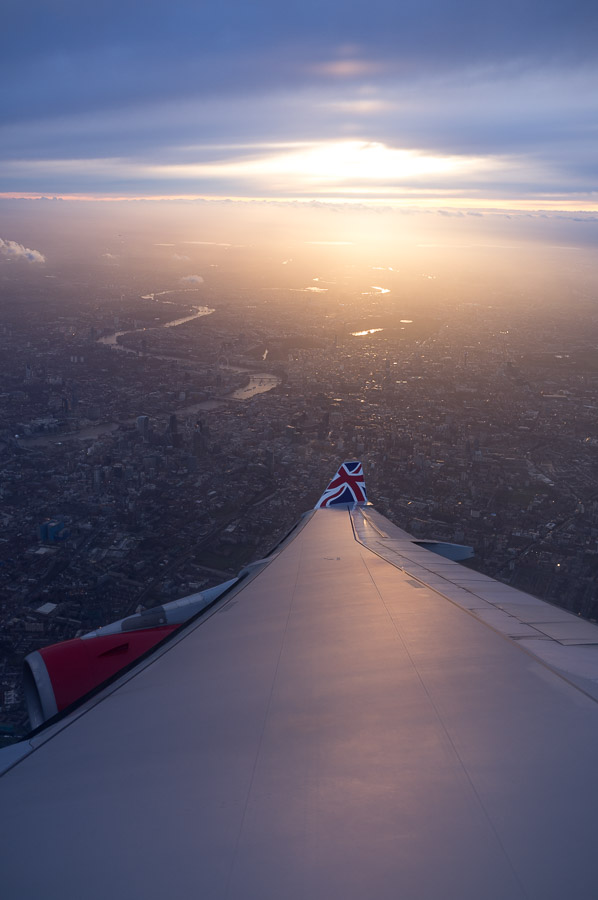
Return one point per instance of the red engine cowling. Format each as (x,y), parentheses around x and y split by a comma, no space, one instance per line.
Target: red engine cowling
(60,674)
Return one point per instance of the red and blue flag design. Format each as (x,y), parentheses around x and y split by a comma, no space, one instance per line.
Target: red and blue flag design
(347,486)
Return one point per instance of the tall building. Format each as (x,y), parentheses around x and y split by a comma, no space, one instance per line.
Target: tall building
(143,426)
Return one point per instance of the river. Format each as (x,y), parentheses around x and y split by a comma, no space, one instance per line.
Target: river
(259,383)
(111,340)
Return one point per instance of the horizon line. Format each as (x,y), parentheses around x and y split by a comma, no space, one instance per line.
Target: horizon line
(423,205)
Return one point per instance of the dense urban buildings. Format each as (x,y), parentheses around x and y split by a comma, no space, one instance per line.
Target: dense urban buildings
(143,460)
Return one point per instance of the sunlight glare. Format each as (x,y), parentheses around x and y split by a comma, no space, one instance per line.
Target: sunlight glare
(358,160)
(329,163)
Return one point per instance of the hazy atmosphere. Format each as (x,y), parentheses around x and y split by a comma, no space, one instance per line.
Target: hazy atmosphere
(299,324)
(241,243)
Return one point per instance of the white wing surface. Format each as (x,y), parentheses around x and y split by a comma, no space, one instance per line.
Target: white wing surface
(357,718)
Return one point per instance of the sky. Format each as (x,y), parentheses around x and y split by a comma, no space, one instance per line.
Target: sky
(415,103)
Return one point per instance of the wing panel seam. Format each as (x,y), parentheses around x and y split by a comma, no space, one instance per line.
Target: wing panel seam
(559,673)
(447,733)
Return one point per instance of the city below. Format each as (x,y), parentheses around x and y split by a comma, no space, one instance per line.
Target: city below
(157,437)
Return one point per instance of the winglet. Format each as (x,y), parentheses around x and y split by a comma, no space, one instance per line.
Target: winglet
(347,486)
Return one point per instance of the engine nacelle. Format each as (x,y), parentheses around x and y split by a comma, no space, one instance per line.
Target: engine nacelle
(57,676)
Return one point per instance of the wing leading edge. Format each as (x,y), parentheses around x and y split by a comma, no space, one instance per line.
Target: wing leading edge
(334,725)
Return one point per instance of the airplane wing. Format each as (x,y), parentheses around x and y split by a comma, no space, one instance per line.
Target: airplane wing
(358,716)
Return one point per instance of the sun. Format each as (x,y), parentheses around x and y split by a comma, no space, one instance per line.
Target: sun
(354,161)
(351,166)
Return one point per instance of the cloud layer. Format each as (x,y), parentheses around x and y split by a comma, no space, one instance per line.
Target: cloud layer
(205,99)
(12,250)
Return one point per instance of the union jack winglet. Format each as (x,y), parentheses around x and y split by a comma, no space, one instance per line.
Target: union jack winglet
(347,486)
